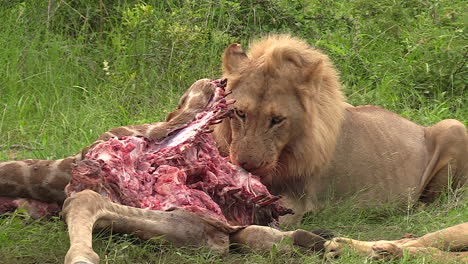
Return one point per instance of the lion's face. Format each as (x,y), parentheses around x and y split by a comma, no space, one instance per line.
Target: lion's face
(266,119)
(288,109)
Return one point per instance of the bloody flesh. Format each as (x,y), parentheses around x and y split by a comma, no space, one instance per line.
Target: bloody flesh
(184,170)
(34,208)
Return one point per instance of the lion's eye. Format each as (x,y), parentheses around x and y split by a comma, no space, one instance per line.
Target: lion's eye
(240,113)
(277,120)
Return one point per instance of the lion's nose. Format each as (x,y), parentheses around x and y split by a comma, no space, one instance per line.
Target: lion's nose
(249,165)
(246,161)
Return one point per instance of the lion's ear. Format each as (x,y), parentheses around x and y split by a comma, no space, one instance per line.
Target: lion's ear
(314,71)
(233,59)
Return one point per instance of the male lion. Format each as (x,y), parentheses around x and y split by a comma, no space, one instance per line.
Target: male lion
(292,127)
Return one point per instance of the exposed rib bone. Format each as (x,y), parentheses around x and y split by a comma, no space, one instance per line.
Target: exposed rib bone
(258,198)
(269,201)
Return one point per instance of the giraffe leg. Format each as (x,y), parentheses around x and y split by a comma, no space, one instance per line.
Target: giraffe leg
(263,238)
(87,209)
(80,213)
(180,227)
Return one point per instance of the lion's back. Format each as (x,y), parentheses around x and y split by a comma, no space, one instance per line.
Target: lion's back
(380,156)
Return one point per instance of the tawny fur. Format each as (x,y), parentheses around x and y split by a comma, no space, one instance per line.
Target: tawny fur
(316,82)
(435,246)
(293,128)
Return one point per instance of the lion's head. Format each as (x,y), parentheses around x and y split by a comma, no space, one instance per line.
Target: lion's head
(288,108)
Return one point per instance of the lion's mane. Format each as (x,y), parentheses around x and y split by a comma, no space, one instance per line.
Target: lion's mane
(282,56)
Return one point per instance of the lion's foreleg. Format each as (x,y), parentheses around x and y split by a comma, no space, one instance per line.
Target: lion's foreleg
(451,238)
(336,246)
(299,205)
(435,254)
(382,249)
(435,245)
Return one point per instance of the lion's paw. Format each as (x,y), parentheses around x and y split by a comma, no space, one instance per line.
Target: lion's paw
(385,250)
(335,247)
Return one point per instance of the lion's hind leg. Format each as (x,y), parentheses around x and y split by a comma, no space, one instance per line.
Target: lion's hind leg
(447,143)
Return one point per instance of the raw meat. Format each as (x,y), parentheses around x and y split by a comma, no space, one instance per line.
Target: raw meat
(34,208)
(184,170)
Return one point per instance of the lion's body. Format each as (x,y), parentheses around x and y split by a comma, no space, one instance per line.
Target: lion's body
(382,157)
(385,160)
(292,127)
(376,163)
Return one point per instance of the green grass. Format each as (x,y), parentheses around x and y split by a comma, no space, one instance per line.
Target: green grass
(25,241)
(57,95)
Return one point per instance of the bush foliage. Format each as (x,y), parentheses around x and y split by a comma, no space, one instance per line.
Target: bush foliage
(85,66)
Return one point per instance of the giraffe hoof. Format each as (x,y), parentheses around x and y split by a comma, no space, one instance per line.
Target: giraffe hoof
(308,240)
(79,254)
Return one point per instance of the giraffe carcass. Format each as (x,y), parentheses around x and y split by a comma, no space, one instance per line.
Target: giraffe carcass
(182,170)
